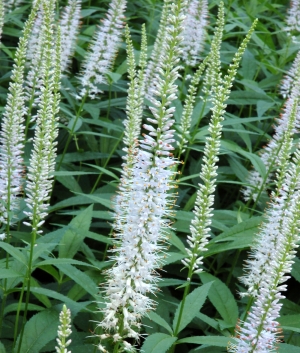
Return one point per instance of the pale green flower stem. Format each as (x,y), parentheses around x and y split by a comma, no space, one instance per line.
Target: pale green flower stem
(19,62)
(26,283)
(212,151)
(7,240)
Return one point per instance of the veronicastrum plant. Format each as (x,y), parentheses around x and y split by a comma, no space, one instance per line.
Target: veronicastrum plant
(127,133)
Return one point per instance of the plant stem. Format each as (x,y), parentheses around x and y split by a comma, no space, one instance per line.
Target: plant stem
(26,283)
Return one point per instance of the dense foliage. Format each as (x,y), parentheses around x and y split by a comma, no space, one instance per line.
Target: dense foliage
(62,230)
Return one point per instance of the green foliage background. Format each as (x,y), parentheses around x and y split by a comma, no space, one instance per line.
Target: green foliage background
(70,256)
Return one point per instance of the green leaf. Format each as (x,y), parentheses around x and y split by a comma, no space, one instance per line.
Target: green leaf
(71,201)
(221,298)
(2,348)
(256,161)
(39,330)
(288,348)
(15,306)
(166,282)
(160,321)
(208,320)
(14,252)
(9,273)
(296,269)
(193,304)
(70,183)
(71,304)
(81,156)
(174,240)
(218,341)
(82,348)
(99,237)
(237,167)
(239,236)
(290,322)
(262,107)
(247,97)
(40,296)
(60,261)
(87,12)
(74,236)
(68,173)
(104,171)
(79,277)
(101,199)
(158,342)
(183,223)
(172,257)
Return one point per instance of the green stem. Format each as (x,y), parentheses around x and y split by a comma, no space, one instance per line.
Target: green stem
(7,239)
(185,294)
(27,281)
(116,347)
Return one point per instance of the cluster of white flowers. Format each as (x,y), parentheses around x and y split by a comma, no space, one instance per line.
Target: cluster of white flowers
(12,133)
(158,52)
(272,255)
(264,254)
(33,42)
(42,159)
(200,227)
(194,31)
(293,17)
(289,121)
(103,50)
(138,256)
(64,331)
(145,204)
(269,265)
(35,58)
(289,78)
(1,17)
(69,24)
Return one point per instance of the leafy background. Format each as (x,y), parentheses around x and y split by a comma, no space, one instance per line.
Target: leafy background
(70,256)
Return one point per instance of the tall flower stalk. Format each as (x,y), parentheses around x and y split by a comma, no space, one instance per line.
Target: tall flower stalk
(12,142)
(260,260)
(1,17)
(293,17)
(35,58)
(289,79)
(103,50)
(158,53)
(42,159)
(259,333)
(194,31)
(200,227)
(141,227)
(134,112)
(64,331)
(212,66)
(185,122)
(69,24)
(289,121)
